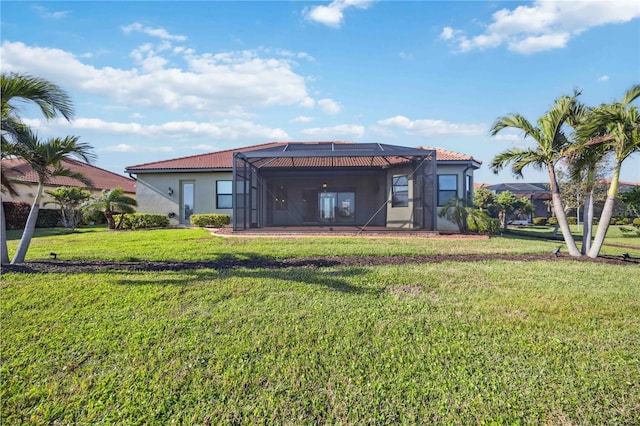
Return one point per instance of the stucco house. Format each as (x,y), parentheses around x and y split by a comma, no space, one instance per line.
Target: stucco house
(25,181)
(309,184)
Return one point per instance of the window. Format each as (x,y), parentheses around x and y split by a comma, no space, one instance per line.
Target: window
(469,189)
(400,191)
(224,194)
(281,198)
(447,188)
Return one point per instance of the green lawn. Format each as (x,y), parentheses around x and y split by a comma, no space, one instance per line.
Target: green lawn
(502,342)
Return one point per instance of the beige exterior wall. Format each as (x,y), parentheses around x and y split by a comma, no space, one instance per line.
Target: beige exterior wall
(442,223)
(399,217)
(153,193)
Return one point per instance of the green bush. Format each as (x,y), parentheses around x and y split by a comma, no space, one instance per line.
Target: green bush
(572,220)
(623,221)
(553,221)
(636,222)
(210,220)
(482,223)
(142,221)
(539,221)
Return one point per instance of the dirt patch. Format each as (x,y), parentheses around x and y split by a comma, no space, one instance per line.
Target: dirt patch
(84,266)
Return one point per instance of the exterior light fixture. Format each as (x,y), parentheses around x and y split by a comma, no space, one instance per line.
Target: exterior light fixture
(170,191)
(324,186)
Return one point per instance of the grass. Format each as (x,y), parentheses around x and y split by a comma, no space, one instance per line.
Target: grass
(502,342)
(199,244)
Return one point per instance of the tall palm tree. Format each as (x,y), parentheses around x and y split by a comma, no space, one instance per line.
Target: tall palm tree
(110,202)
(16,88)
(619,126)
(45,158)
(552,143)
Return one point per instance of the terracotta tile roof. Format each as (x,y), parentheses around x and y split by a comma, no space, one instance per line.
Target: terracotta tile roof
(224,159)
(18,170)
(446,155)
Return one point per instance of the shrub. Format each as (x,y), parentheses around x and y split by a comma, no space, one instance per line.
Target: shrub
(553,221)
(141,220)
(636,222)
(624,221)
(210,220)
(15,214)
(48,218)
(539,221)
(572,220)
(480,222)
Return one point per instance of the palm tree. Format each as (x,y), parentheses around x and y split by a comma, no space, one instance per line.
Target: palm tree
(45,158)
(110,202)
(69,199)
(455,210)
(618,126)
(551,143)
(51,99)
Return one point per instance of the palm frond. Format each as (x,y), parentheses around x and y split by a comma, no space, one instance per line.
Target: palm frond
(519,159)
(51,99)
(515,121)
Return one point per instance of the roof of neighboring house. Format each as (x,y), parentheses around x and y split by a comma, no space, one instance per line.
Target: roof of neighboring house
(317,156)
(18,170)
(519,188)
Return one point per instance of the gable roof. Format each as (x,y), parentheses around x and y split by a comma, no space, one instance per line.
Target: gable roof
(18,170)
(520,188)
(317,155)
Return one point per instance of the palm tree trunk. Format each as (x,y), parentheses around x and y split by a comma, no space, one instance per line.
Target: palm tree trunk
(607,213)
(29,228)
(587,212)
(587,219)
(4,252)
(561,216)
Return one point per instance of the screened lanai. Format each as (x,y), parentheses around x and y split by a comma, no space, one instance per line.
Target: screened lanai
(335,183)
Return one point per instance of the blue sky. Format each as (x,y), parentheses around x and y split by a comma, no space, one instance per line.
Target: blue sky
(159,80)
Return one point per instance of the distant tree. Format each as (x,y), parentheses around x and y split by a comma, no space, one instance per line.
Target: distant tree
(485,200)
(111,202)
(632,200)
(508,204)
(69,199)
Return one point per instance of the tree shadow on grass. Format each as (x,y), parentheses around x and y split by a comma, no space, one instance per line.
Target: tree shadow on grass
(333,279)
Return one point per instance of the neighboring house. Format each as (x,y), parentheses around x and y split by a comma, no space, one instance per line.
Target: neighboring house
(309,184)
(25,181)
(537,193)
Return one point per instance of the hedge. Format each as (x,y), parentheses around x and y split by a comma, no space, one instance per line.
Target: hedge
(636,222)
(210,220)
(572,220)
(539,221)
(142,221)
(16,214)
(553,221)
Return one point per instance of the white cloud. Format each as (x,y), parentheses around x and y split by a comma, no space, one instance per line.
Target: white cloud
(302,119)
(603,78)
(544,25)
(45,13)
(427,127)
(332,15)
(329,106)
(336,132)
(225,129)
(126,148)
(406,56)
(154,32)
(211,83)
(507,137)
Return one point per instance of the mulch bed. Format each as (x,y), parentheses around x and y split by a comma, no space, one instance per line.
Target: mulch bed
(84,266)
